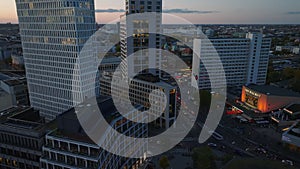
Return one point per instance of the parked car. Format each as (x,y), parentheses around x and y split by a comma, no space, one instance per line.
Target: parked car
(212,145)
(288,162)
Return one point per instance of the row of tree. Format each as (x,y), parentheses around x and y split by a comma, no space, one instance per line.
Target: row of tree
(292,75)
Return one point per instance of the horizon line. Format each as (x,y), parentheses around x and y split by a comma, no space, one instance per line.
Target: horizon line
(16,23)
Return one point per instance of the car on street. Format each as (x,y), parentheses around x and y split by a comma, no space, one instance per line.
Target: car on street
(212,145)
(288,162)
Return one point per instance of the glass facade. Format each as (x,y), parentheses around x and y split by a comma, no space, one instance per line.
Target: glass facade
(140,32)
(53,34)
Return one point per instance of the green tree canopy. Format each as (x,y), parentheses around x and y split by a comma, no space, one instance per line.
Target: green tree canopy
(203,158)
(164,162)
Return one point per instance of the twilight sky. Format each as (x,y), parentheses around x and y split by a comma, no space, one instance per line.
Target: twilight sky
(197,11)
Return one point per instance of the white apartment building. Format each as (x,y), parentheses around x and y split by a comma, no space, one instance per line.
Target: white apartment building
(244,60)
(53,34)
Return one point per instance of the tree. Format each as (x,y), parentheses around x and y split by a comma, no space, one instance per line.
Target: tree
(205,98)
(288,73)
(273,76)
(164,162)
(296,81)
(118,48)
(203,158)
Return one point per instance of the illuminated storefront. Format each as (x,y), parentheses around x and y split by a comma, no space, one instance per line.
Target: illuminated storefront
(267,98)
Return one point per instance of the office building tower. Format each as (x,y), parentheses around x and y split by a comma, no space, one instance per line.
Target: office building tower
(53,34)
(244,60)
(141,32)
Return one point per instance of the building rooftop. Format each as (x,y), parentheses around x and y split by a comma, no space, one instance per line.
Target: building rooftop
(272,90)
(15,82)
(23,118)
(293,108)
(148,77)
(295,130)
(4,76)
(69,126)
(111,59)
(3,93)
(9,75)
(170,83)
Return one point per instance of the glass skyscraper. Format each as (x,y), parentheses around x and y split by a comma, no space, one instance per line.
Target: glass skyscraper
(140,32)
(53,34)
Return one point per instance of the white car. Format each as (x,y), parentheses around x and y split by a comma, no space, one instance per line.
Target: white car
(288,162)
(212,145)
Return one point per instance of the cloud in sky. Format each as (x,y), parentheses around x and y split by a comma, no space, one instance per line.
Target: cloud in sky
(110,10)
(293,13)
(175,10)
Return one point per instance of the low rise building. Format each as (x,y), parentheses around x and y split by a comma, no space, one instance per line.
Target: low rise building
(287,116)
(292,49)
(291,138)
(22,135)
(17,89)
(139,91)
(266,98)
(5,100)
(70,147)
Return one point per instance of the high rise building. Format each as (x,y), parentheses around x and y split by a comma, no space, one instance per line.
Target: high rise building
(244,60)
(138,33)
(141,31)
(53,34)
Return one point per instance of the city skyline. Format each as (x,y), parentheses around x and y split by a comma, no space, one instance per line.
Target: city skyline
(197,12)
(220,89)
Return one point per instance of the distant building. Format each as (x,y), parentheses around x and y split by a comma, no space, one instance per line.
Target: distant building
(17,89)
(13,90)
(22,135)
(296,50)
(7,48)
(245,60)
(17,59)
(109,64)
(278,48)
(287,116)
(267,98)
(70,147)
(140,88)
(4,51)
(291,138)
(209,32)
(5,100)
(292,49)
